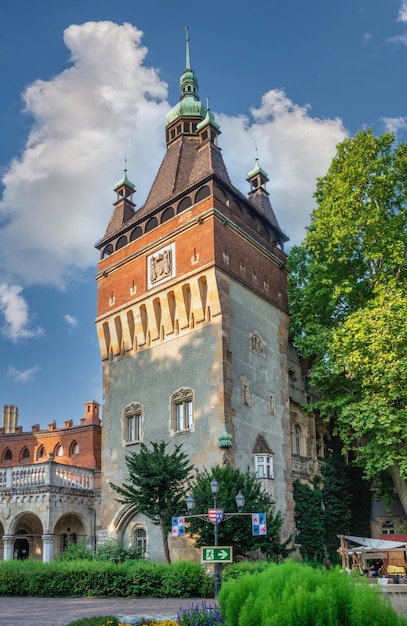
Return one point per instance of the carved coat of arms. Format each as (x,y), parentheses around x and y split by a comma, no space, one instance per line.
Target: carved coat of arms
(160,265)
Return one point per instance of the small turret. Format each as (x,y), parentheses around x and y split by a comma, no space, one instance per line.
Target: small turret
(10,418)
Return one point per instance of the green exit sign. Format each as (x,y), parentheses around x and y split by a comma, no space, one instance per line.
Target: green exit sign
(219,554)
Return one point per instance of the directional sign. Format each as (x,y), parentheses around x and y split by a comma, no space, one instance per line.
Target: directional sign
(212,554)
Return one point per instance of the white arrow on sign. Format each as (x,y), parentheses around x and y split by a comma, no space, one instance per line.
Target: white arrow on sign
(223,554)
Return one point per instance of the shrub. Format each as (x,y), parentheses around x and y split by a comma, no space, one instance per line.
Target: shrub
(75,552)
(294,593)
(117,553)
(103,578)
(244,567)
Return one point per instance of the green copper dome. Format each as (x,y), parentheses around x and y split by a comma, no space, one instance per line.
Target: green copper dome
(124,181)
(189,104)
(256,171)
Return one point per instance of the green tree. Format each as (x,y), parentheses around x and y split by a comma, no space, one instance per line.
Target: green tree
(236,531)
(310,521)
(348,299)
(337,495)
(156,485)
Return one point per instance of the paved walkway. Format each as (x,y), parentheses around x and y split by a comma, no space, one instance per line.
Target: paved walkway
(26,611)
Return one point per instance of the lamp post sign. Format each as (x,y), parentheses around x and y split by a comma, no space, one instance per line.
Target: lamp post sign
(217,554)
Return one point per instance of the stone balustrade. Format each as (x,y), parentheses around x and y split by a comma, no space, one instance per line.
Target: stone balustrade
(301,464)
(46,474)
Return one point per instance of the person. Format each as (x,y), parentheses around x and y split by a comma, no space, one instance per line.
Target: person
(376,569)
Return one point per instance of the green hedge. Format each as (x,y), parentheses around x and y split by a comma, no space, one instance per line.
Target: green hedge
(296,594)
(135,579)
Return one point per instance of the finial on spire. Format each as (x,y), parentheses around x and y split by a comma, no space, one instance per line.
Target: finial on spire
(125,165)
(188,58)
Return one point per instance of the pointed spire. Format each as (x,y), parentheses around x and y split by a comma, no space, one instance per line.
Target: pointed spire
(189,104)
(188,58)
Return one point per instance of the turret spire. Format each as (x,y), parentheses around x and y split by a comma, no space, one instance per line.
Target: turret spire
(188,58)
(189,104)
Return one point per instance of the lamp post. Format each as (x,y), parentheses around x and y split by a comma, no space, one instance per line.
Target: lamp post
(190,502)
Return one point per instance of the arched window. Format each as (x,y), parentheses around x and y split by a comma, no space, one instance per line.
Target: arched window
(25,454)
(202,193)
(74,448)
(59,451)
(167,214)
(108,250)
(132,422)
(8,456)
(182,410)
(184,204)
(297,440)
(140,540)
(40,452)
(152,223)
(136,233)
(121,242)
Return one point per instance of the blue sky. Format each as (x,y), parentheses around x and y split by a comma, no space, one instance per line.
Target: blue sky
(85,82)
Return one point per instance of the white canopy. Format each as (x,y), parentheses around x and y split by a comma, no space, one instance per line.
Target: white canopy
(375,544)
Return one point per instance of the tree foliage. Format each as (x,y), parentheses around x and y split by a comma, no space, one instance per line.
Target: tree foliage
(310,521)
(236,531)
(348,298)
(156,484)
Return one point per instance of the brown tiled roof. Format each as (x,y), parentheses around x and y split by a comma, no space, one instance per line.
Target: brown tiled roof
(261,199)
(122,213)
(185,163)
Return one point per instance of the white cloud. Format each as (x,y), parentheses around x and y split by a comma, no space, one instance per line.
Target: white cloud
(14,309)
(402,17)
(293,147)
(59,191)
(394,124)
(58,194)
(22,376)
(71,321)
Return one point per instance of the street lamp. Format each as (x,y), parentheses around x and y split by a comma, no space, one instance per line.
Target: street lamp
(190,502)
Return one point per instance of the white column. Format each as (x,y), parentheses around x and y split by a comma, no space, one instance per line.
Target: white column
(47,547)
(8,542)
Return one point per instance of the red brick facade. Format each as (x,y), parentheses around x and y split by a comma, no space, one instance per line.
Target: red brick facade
(77,445)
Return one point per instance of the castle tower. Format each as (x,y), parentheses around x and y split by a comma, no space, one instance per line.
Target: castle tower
(192,319)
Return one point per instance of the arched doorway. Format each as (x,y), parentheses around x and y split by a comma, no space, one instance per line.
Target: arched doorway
(69,530)
(27,537)
(21,545)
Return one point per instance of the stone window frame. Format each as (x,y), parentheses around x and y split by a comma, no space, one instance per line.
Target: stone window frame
(25,455)
(183,397)
(133,416)
(58,450)
(245,391)
(140,541)
(40,454)
(257,343)
(298,440)
(74,451)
